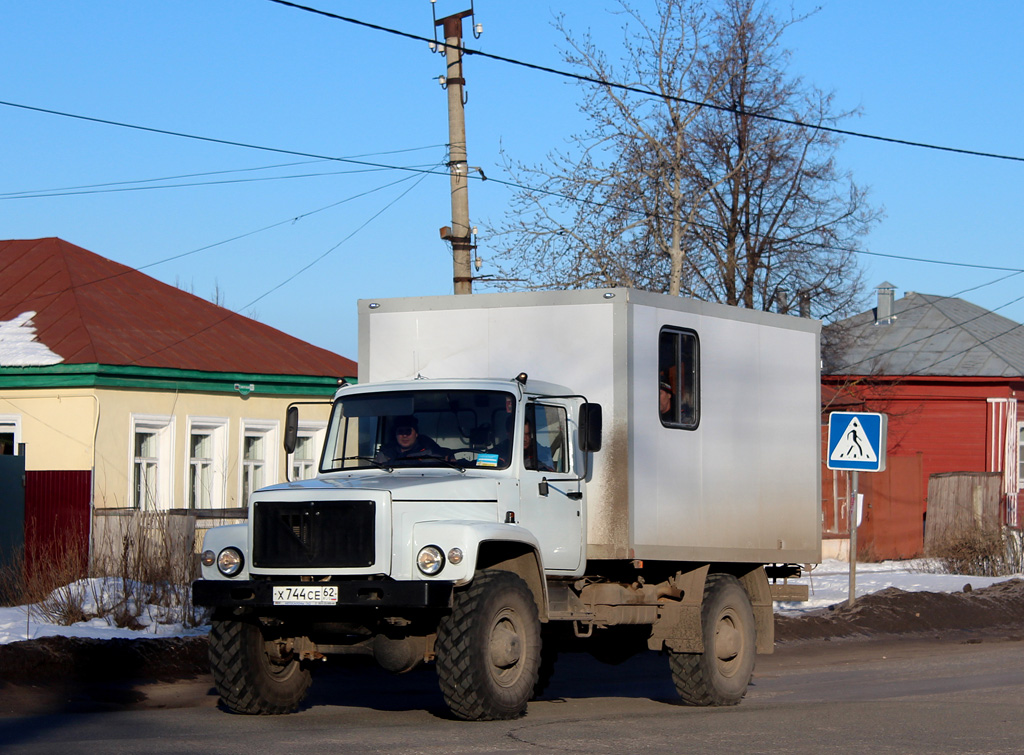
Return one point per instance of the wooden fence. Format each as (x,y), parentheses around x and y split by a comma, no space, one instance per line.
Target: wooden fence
(961,506)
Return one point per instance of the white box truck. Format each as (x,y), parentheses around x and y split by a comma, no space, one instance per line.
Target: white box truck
(514,473)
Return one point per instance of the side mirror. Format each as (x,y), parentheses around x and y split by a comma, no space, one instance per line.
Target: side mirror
(590,427)
(291,429)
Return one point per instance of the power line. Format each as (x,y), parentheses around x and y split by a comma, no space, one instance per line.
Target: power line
(47,192)
(980,342)
(954,326)
(287,221)
(1013,270)
(214,140)
(649,93)
(426,171)
(122,189)
(294,275)
(852,250)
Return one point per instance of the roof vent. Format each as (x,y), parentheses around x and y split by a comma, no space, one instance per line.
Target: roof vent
(886,301)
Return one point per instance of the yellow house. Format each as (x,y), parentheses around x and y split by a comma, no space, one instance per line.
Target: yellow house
(163,400)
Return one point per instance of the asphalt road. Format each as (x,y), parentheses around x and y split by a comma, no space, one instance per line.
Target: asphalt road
(879,696)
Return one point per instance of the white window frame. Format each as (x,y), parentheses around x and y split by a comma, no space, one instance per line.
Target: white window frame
(162,426)
(316,431)
(270,430)
(1020,456)
(217,429)
(12,421)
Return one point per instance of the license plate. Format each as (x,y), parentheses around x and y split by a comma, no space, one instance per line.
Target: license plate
(306,595)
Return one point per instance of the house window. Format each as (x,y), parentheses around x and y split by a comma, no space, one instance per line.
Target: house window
(1020,456)
(207,462)
(679,378)
(147,470)
(152,441)
(254,463)
(303,460)
(10,434)
(302,463)
(200,475)
(258,454)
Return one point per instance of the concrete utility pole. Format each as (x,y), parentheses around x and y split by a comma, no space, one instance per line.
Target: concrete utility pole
(459,233)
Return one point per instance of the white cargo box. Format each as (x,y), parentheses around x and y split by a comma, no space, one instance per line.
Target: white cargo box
(741,484)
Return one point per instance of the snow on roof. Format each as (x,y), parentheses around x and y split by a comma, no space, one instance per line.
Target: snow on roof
(19,346)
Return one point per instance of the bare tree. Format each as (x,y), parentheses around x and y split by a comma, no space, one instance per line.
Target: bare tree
(783,219)
(614,209)
(692,190)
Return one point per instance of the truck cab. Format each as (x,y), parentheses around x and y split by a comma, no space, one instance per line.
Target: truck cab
(417,481)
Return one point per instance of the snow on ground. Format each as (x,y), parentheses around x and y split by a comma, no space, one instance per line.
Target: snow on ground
(29,623)
(829,583)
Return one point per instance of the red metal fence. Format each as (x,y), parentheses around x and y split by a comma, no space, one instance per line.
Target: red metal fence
(57,509)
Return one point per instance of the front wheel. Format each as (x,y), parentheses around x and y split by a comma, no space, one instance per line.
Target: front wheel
(489,648)
(720,675)
(252,675)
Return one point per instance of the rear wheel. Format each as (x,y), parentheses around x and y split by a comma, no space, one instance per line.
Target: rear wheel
(721,674)
(252,675)
(489,648)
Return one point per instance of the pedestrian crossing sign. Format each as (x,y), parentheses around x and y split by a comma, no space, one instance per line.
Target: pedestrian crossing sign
(856,441)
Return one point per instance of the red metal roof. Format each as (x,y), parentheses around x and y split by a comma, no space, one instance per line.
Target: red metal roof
(92,310)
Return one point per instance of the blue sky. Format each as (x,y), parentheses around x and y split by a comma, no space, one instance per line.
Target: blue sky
(258,73)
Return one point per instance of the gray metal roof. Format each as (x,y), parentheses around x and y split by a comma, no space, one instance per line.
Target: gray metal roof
(932,335)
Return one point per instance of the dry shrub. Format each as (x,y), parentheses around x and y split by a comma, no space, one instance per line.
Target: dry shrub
(53,581)
(12,578)
(976,555)
(141,573)
(1014,550)
(148,562)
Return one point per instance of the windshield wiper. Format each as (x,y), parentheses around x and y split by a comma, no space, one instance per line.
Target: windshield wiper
(370,459)
(443,460)
(412,461)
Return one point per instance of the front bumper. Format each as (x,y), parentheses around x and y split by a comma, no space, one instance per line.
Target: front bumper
(362,593)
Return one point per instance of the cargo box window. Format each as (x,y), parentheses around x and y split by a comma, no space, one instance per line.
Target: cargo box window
(679,378)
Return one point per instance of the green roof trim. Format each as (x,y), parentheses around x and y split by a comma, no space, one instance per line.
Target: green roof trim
(167,379)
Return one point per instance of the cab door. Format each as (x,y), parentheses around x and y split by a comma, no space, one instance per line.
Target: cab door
(551,495)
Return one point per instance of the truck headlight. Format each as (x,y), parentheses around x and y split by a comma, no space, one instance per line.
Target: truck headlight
(208,558)
(230,562)
(430,560)
(455,556)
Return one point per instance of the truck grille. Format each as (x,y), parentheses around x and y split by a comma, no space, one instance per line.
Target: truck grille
(313,534)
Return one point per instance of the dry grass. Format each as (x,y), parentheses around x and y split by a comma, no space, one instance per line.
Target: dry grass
(141,573)
(149,562)
(12,578)
(980,555)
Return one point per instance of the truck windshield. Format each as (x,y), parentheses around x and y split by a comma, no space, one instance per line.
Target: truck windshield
(438,428)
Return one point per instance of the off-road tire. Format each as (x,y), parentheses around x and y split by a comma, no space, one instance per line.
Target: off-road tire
(721,674)
(489,648)
(248,680)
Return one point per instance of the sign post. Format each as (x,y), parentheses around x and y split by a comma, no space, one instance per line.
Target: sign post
(856,443)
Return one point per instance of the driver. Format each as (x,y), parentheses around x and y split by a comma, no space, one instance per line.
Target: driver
(408,443)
